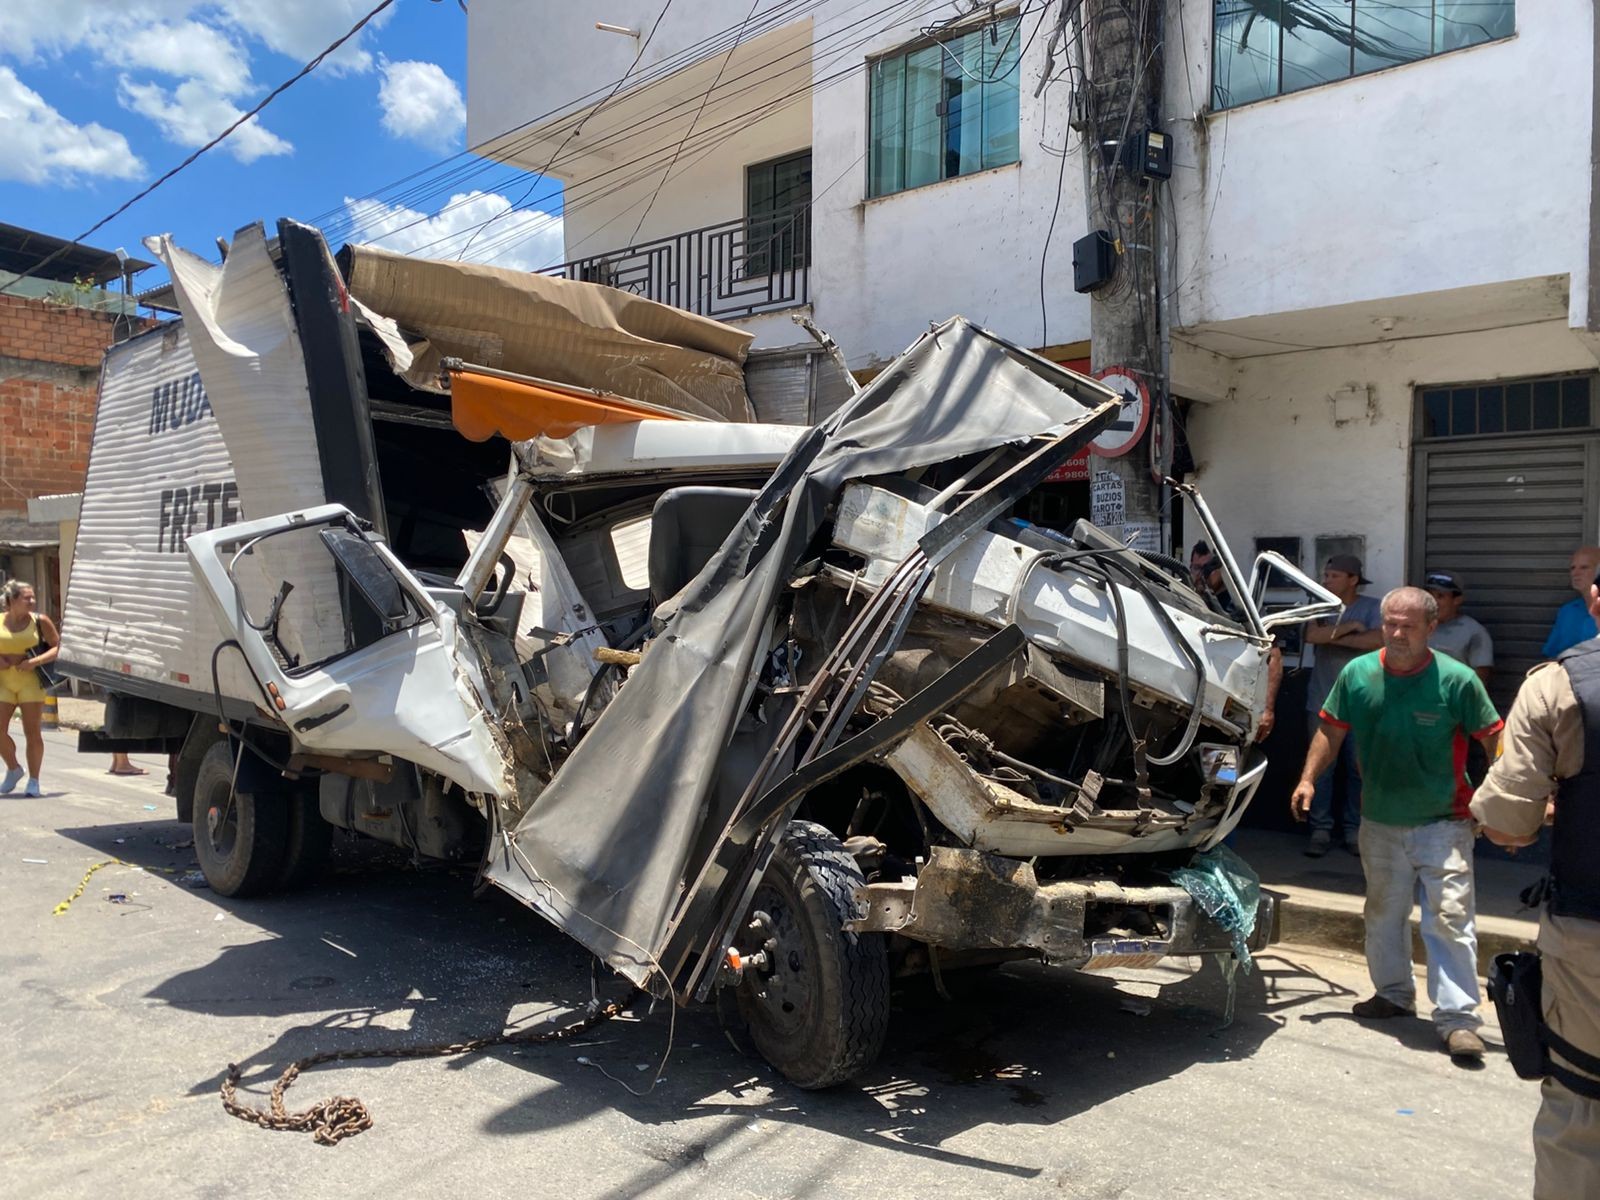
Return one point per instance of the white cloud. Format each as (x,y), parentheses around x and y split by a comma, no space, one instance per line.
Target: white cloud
(302,29)
(43,147)
(201,46)
(194,112)
(188,50)
(422,103)
(523,241)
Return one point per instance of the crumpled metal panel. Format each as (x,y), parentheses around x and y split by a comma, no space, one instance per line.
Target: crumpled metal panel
(636,810)
(969,900)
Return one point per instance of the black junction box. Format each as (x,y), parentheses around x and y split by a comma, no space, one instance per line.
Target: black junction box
(1149,155)
(1094,261)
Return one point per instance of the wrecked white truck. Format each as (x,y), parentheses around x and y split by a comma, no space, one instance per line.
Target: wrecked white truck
(766,712)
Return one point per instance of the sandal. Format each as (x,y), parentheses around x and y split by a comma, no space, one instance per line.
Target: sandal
(131,771)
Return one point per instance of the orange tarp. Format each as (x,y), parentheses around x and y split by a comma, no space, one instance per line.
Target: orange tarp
(483,405)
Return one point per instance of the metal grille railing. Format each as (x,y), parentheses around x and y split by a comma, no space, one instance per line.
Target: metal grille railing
(733,269)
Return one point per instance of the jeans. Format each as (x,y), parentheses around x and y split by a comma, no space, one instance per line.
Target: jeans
(1321,816)
(1431,863)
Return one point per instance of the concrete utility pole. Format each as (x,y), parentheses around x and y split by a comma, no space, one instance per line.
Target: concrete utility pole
(1121,102)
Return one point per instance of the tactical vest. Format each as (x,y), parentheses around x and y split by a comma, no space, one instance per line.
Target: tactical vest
(1575,842)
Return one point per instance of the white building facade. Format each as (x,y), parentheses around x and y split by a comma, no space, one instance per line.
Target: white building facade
(1375,246)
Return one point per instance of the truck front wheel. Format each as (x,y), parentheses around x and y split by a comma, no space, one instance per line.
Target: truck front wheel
(818,1010)
(241,839)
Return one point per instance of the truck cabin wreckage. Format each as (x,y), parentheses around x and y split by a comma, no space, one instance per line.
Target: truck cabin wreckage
(854,721)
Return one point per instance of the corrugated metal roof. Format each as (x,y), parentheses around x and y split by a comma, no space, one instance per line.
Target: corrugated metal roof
(24,250)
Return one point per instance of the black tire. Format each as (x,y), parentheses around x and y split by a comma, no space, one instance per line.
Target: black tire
(203,735)
(819,1014)
(239,838)
(310,840)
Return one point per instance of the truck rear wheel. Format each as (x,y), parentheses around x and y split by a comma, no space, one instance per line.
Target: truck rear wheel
(309,840)
(203,735)
(819,1011)
(239,838)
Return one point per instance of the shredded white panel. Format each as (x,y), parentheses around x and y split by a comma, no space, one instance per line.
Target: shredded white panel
(158,471)
(243,334)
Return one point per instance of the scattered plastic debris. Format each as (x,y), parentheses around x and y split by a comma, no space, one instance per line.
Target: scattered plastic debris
(1228,890)
(150,808)
(1136,1006)
(339,948)
(194,879)
(120,841)
(1405,1112)
(1111,1053)
(118,897)
(220,917)
(38,862)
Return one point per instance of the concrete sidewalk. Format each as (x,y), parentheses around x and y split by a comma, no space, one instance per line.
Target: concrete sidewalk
(1324,896)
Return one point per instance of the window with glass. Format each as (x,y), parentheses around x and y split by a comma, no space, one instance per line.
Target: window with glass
(1506,406)
(777,211)
(944,108)
(1268,47)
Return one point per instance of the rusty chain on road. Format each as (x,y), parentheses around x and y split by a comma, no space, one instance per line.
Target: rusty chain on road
(332,1120)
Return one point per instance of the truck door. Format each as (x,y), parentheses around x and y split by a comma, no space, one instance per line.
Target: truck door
(349,650)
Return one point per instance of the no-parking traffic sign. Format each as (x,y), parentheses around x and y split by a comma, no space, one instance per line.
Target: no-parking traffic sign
(1123,433)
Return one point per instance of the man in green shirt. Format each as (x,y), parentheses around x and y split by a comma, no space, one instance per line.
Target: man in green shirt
(1411,712)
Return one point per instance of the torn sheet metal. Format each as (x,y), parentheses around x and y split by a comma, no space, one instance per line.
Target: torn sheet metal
(584,334)
(638,808)
(416,693)
(996,580)
(246,345)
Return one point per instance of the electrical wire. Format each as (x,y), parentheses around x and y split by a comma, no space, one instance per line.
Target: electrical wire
(612,137)
(699,112)
(573,132)
(711,138)
(269,98)
(713,135)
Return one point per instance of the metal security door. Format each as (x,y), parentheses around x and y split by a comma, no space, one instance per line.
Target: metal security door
(1507,513)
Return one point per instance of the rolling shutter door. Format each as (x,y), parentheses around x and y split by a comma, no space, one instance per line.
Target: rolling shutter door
(794,386)
(1507,514)
(780,387)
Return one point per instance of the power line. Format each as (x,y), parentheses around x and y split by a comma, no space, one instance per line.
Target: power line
(766,108)
(270,97)
(699,112)
(683,60)
(760,71)
(573,132)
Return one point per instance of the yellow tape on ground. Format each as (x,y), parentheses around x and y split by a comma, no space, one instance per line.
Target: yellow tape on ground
(61,908)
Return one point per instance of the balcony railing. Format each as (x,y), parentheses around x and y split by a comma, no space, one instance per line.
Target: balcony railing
(734,269)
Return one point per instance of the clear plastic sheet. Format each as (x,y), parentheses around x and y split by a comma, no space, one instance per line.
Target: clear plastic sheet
(1228,890)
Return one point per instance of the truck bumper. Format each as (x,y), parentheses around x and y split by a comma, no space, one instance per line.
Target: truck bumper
(969,900)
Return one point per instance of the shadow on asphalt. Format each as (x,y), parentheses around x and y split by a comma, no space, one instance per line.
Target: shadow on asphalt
(343,961)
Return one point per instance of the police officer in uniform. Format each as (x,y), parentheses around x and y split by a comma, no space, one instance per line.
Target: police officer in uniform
(1550,762)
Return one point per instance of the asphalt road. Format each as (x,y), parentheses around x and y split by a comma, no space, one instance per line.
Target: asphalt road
(120,1019)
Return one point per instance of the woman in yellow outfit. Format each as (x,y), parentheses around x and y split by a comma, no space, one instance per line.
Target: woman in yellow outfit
(22,630)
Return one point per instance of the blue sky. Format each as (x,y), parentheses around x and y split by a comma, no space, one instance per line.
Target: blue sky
(100,97)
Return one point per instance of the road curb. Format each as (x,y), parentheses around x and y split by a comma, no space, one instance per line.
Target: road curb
(1330,926)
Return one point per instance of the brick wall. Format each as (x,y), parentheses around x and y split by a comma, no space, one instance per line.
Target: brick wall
(49,371)
(52,333)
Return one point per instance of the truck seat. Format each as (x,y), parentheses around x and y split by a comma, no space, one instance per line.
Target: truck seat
(686,528)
